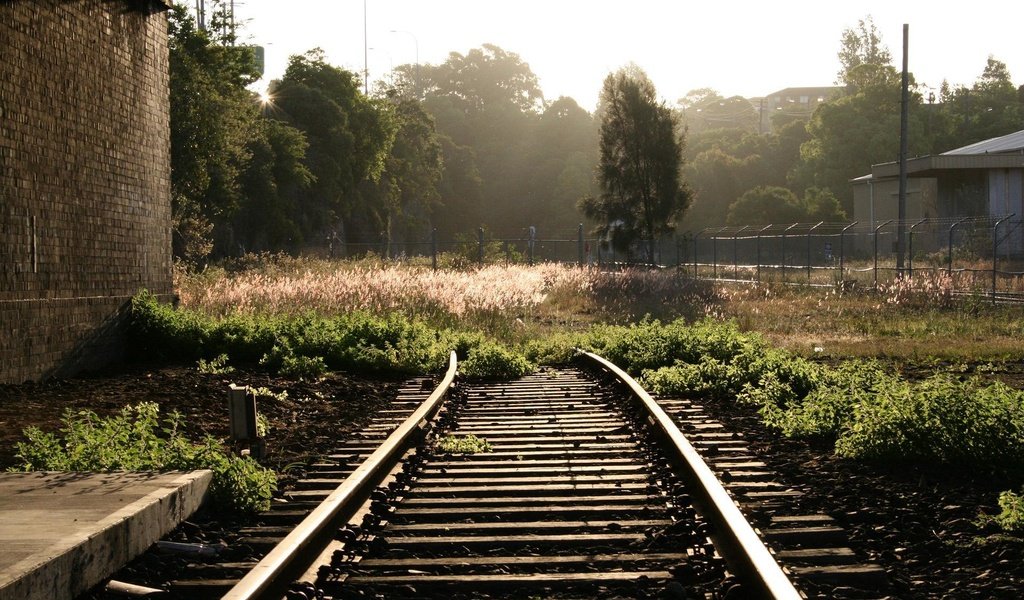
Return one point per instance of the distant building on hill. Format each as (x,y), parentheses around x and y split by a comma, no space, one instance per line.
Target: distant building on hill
(790,104)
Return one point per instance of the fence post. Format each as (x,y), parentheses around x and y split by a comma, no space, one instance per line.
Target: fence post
(735,259)
(910,248)
(695,237)
(579,243)
(809,250)
(480,245)
(762,230)
(842,251)
(433,248)
(949,270)
(784,232)
(876,250)
(530,243)
(714,252)
(995,252)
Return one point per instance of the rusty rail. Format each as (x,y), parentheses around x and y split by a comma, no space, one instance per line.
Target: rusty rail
(269,574)
(747,555)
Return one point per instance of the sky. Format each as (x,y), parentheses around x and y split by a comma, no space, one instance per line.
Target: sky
(737,47)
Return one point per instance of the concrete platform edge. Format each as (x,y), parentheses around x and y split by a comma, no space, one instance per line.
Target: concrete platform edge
(72,567)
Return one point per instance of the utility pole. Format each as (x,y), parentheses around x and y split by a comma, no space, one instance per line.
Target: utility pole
(416,43)
(904,118)
(366,54)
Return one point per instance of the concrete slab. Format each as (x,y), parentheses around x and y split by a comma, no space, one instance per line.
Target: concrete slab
(62,533)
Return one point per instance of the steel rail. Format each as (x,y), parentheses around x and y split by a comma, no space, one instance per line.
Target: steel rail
(751,558)
(346,498)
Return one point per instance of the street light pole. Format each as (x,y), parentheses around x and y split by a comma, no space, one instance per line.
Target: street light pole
(366,57)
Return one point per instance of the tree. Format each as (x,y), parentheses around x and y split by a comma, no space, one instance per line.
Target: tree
(269,216)
(561,156)
(489,101)
(705,108)
(213,120)
(822,205)
(519,161)
(724,163)
(461,203)
(642,191)
(484,78)
(861,127)
(991,107)
(401,202)
(766,205)
(349,137)
(861,47)
(716,176)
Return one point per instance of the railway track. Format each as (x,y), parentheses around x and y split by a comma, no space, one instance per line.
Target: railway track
(588,489)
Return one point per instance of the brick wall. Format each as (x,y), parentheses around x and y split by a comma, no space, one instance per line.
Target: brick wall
(84,178)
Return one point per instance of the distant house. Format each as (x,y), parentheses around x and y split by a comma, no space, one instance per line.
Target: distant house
(984,180)
(793,102)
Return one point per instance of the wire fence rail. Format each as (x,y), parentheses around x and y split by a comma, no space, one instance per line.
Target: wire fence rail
(971,255)
(965,255)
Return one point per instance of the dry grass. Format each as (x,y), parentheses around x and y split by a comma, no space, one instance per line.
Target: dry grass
(903,319)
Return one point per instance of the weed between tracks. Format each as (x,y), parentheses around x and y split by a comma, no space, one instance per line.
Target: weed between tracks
(467,444)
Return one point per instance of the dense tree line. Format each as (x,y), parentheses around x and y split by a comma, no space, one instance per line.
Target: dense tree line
(472,142)
(465,144)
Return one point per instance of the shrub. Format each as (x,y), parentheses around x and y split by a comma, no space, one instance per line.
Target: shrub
(940,419)
(490,360)
(468,444)
(305,345)
(215,366)
(1011,515)
(303,367)
(133,440)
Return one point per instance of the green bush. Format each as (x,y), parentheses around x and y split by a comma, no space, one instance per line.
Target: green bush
(556,349)
(490,360)
(869,413)
(1011,515)
(650,344)
(828,408)
(940,419)
(133,440)
(306,346)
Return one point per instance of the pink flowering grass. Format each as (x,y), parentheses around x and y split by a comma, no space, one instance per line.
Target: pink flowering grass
(488,293)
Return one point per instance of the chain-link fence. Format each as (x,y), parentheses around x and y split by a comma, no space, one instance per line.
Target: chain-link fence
(964,255)
(968,255)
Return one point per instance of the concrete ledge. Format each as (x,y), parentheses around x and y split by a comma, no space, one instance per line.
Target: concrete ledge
(62,533)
